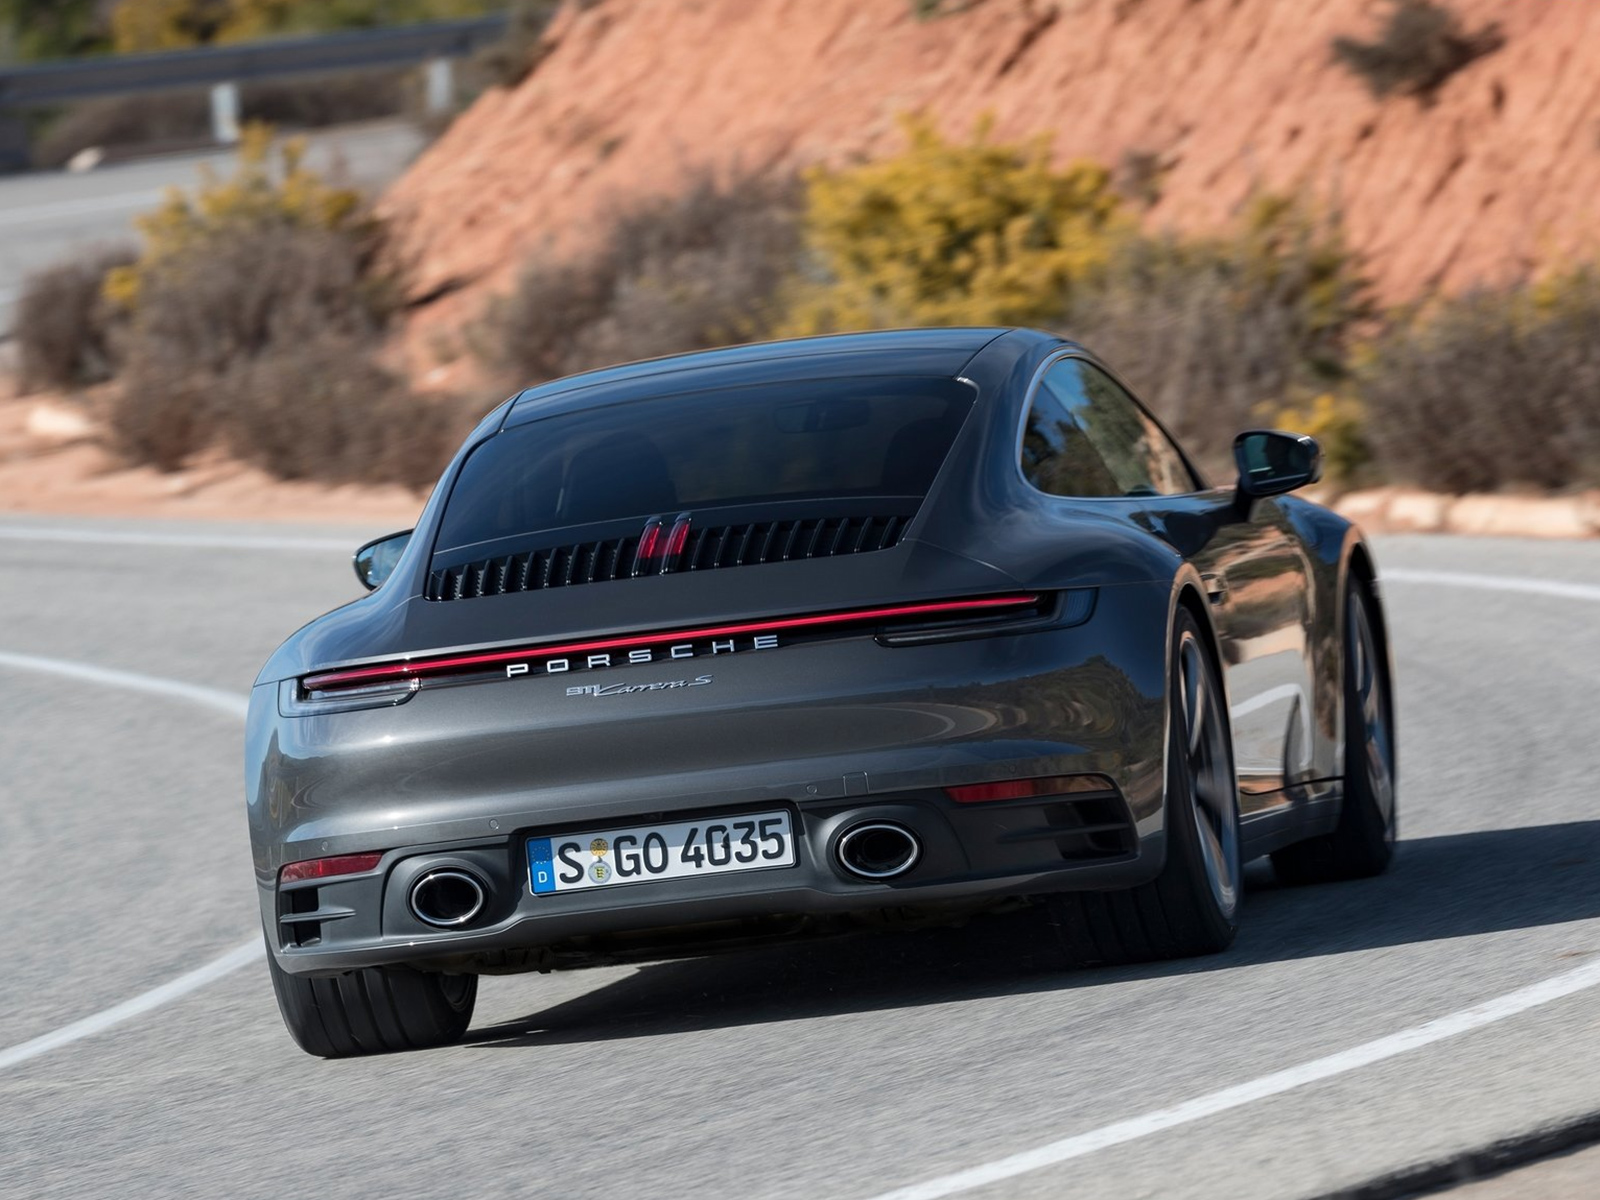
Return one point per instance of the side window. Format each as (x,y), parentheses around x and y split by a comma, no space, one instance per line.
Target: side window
(1088,437)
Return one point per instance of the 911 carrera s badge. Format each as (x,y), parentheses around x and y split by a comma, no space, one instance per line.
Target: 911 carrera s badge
(628,689)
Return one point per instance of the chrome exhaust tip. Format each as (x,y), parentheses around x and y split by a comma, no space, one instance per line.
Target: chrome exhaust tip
(878,850)
(446,898)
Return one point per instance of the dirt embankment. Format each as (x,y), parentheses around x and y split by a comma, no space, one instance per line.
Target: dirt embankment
(1501,174)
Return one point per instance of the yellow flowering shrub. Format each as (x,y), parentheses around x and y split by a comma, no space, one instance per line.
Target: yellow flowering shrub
(259,194)
(950,233)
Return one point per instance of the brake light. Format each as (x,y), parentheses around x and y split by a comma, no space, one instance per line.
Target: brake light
(327,868)
(677,539)
(1022,789)
(649,541)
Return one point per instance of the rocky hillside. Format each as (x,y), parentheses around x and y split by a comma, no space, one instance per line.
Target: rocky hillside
(1499,174)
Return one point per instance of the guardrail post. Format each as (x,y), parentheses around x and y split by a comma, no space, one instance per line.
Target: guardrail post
(225,113)
(441,85)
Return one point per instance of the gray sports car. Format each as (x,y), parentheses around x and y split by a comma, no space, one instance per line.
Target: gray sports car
(802,637)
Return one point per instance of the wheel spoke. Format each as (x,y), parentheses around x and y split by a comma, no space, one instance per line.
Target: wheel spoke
(1368,683)
(1194,700)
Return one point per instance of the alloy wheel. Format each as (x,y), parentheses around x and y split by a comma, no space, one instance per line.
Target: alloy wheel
(1212,789)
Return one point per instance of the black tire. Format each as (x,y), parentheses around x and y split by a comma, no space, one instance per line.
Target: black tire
(1192,907)
(376,1010)
(1362,844)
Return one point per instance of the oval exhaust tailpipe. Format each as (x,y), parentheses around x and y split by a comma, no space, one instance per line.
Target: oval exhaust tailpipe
(878,850)
(447,897)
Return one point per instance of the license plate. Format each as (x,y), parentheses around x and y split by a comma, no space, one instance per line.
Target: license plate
(650,853)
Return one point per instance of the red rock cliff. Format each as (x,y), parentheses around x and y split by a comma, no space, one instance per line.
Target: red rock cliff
(1500,175)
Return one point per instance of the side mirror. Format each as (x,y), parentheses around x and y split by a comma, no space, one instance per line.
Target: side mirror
(1271,462)
(375,561)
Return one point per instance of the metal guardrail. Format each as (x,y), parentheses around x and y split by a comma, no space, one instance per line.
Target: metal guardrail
(120,75)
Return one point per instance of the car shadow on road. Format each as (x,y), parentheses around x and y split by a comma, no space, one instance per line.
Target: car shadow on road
(1439,888)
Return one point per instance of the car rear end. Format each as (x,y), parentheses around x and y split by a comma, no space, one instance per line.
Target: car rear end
(678,671)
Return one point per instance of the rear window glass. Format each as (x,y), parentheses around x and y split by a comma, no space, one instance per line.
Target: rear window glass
(811,440)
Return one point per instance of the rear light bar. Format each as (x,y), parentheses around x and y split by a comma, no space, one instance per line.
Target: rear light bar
(398,672)
(327,868)
(1022,789)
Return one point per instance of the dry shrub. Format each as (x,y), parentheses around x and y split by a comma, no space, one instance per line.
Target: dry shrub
(171,120)
(1218,335)
(1420,46)
(162,412)
(268,344)
(162,120)
(513,57)
(235,296)
(335,100)
(255,320)
(326,409)
(63,324)
(1493,389)
(688,272)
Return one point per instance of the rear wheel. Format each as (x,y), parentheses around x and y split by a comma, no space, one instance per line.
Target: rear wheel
(1191,908)
(375,1010)
(1362,844)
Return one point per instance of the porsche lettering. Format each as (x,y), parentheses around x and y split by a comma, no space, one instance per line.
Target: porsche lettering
(665,652)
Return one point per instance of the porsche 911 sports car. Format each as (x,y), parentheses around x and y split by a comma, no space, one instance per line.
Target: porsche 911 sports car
(793,638)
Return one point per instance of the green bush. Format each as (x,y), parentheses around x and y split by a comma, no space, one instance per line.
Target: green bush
(946,233)
(1497,388)
(53,28)
(1420,46)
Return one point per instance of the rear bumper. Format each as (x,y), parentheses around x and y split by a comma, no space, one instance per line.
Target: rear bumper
(970,853)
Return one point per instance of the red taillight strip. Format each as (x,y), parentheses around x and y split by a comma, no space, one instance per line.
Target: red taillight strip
(435,666)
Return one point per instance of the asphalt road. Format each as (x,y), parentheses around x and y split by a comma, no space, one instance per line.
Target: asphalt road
(49,215)
(843,1069)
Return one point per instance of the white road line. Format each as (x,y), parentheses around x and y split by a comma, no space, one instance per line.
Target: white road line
(1284,691)
(1495,583)
(1453,1025)
(234,706)
(206,541)
(239,956)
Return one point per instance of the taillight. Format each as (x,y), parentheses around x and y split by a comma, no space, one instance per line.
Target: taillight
(327,868)
(405,673)
(649,546)
(1022,789)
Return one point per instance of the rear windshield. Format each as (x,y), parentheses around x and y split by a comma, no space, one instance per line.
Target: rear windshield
(812,440)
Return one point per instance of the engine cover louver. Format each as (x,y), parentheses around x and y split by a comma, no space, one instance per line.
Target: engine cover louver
(715,547)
